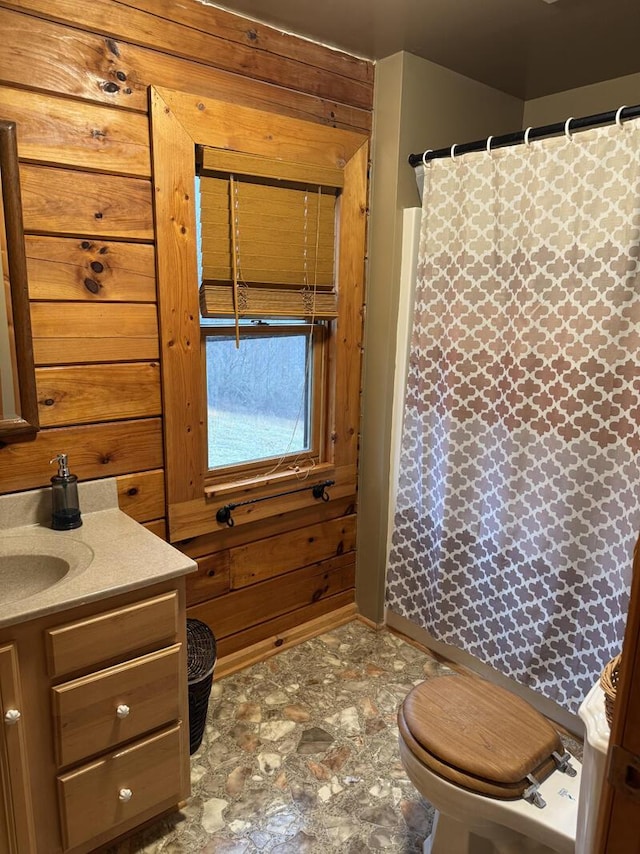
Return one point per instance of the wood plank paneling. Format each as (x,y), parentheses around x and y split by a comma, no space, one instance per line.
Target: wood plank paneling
(39,54)
(60,351)
(82,394)
(66,268)
(70,133)
(207,543)
(241,609)
(174,38)
(66,333)
(63,202)
(219,22)
(98,450)
(211,579)
(76,333)
(98,320)
(141,495)
(274,556)
(258,642)
(46,56)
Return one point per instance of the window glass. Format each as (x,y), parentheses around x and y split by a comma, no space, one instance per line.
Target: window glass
(258,395)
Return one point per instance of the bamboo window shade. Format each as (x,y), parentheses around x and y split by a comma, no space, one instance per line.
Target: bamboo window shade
(267,231)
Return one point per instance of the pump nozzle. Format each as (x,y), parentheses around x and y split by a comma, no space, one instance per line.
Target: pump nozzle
(63,468)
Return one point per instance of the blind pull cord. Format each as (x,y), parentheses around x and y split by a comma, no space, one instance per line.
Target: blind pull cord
(233,201)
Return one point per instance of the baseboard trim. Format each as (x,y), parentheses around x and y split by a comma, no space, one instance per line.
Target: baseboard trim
(377,627)
(264,649)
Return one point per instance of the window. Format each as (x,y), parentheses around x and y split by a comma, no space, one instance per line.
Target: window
(265,398)
(267,295)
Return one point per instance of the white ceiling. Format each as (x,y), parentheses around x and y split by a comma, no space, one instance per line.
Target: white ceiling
(528,48)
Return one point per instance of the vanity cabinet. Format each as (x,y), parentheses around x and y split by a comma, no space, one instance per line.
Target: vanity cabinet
(106,743)
(109,708)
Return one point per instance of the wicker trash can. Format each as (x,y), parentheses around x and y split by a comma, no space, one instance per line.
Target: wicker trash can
(201,660)
(609,684)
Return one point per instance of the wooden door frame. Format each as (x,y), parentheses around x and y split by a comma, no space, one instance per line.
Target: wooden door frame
(14,765)
(619,817)
(179,122)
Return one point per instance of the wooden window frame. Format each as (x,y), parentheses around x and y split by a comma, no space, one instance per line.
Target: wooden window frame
(179,122)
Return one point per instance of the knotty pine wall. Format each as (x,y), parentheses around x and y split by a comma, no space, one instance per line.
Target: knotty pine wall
(75,77)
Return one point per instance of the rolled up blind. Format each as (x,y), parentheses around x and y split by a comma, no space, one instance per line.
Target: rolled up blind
(267,237)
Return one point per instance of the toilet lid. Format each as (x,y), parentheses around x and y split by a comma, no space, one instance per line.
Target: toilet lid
(478,735)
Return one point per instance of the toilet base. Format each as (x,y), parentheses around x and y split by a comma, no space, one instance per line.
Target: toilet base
(493,826)
(449,836)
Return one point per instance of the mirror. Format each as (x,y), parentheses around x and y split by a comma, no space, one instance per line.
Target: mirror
(18,406)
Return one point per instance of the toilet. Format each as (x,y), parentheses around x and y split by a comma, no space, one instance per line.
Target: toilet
(496,770)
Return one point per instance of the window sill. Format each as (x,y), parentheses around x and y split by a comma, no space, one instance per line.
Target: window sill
(247,485)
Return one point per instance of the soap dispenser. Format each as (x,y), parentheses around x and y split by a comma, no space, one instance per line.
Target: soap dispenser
(64,492)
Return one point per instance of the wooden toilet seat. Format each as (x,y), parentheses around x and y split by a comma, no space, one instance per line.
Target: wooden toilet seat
(478,735)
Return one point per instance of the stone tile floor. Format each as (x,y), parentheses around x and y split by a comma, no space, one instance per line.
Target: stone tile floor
(300,756)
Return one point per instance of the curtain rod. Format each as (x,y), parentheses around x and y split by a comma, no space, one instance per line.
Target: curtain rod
(531,133)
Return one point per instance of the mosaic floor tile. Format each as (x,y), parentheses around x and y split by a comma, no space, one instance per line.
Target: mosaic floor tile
(300,756)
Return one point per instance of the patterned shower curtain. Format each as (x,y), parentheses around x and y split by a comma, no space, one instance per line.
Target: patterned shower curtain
(518,495)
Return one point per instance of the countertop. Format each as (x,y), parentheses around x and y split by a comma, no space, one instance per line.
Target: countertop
(109,554)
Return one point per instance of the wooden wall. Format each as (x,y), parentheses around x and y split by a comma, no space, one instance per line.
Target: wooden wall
(75,78)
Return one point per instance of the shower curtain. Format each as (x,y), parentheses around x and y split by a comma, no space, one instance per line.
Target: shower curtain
(517,500)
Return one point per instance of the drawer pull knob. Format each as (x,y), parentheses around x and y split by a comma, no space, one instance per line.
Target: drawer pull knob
(125,795)
(12,716)
(122,711)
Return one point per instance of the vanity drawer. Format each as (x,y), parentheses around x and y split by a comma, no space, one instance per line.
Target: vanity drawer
(97,712)
(115,634)
(102,795)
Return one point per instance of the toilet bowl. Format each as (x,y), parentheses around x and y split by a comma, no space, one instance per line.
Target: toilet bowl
(464,744)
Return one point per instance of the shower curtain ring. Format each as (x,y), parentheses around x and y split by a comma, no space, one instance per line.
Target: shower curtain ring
(619,115)
(489,138)
(567,132)
(453,151)
(424,156)
(526,136)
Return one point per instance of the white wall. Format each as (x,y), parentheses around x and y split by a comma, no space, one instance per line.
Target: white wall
(585,101)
